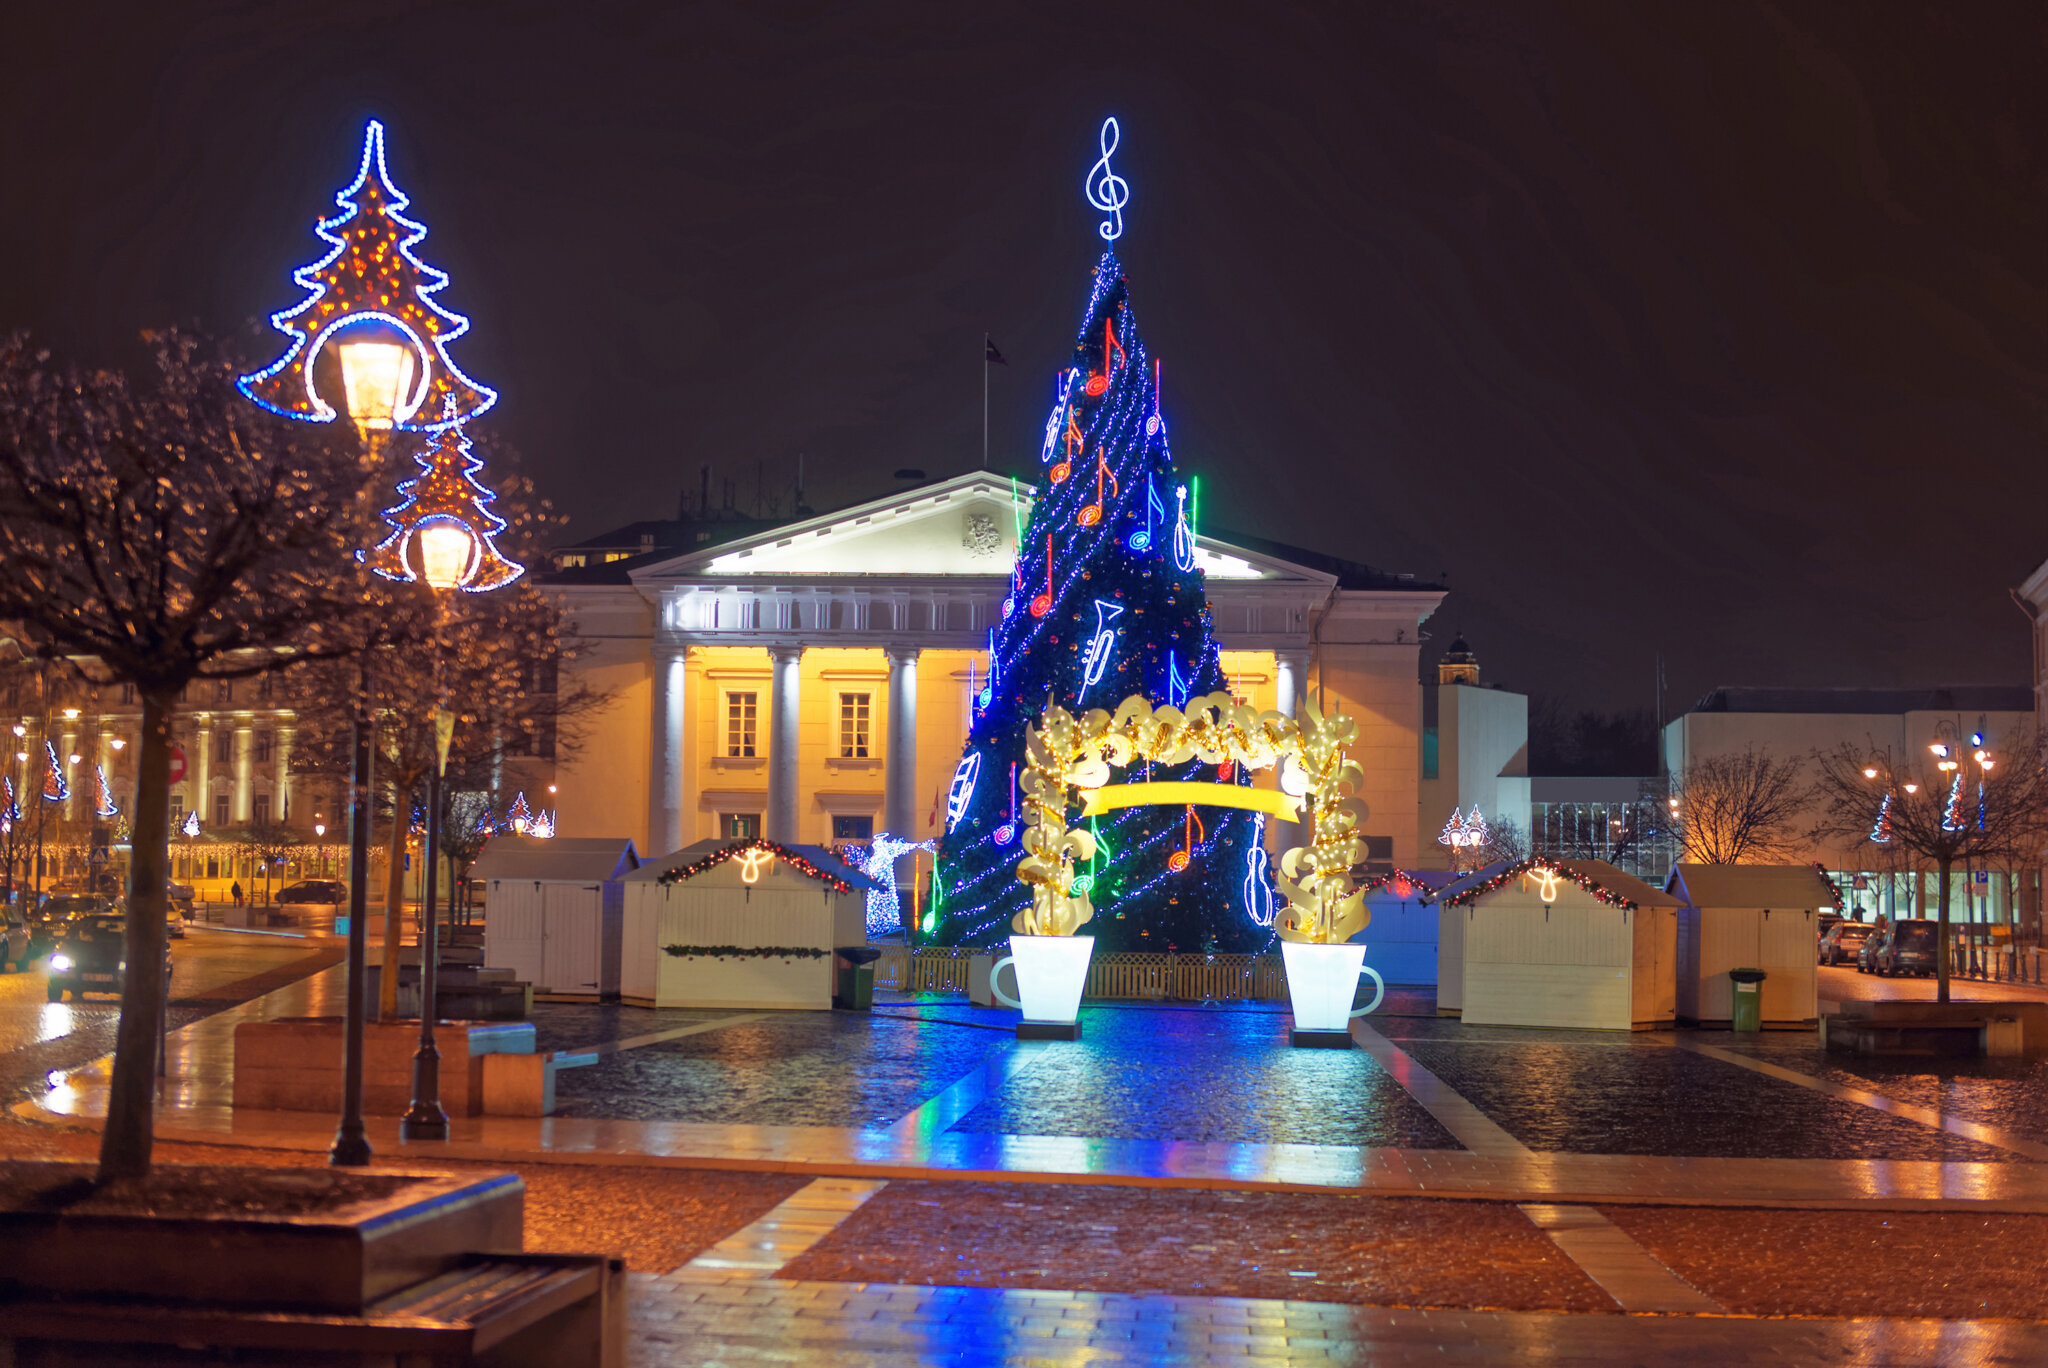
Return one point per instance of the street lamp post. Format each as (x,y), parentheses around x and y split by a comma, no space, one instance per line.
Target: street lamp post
(351,1146)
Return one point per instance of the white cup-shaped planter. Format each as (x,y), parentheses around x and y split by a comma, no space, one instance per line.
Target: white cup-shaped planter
(1322,980)
(1051,972)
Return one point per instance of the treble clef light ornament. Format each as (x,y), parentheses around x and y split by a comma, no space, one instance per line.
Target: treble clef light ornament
(1106,190)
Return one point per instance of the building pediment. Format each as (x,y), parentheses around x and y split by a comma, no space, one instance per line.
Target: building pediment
(962,528)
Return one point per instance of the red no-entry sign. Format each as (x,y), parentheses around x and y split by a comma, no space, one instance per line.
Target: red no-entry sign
(177,763)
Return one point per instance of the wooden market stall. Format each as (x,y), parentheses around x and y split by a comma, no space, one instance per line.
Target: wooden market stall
(1574,943)
(1401,935)
(554,911)
(747,924)
(1749,917)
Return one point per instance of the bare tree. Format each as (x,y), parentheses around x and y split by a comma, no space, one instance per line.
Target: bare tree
(1505,843)
(1738,808)
(154,536)
(494,660)
(267,845)
(1993,809)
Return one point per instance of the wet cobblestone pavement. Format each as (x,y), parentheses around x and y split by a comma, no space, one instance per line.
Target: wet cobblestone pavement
(582,1025)
(1165,1074)
(1648,1099)
(1316,1247)
(2008,1093)
(788,1069)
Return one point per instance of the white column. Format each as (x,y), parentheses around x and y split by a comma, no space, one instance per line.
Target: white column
(282,738)
(199,773)
(899,783)
(245,750)
(1290,669)
(665,766)
(782,743)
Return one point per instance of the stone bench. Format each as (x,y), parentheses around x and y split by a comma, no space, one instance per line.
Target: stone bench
(507,1310)
(1938,1028)
(294,1063)
(524,1084)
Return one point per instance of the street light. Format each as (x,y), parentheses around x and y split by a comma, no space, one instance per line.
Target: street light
(376,378)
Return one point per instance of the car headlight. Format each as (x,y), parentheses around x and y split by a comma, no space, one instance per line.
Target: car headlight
(61,964)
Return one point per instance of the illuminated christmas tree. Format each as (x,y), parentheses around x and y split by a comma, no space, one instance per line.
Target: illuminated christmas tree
(371,287)
(55,787)
(443,530)
(1106,601)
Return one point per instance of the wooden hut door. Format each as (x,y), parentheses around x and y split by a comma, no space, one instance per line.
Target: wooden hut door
(569,958)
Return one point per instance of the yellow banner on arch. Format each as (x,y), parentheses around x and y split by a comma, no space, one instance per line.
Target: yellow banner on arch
(1097,801)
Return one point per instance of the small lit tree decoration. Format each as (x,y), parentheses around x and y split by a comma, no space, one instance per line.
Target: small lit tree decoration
(373,284)
(443,530)
(518,817)
(885,912)
(55,787)
(542,828)
(191,826)
(104,806)
(1462,832)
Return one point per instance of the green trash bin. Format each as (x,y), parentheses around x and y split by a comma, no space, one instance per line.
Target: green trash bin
(1748,995)
(855,986)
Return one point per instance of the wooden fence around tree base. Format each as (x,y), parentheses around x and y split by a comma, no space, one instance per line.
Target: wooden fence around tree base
(1131,977)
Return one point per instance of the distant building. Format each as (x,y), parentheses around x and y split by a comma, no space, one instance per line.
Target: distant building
(1797,722)
(1610,818)
(1475,755)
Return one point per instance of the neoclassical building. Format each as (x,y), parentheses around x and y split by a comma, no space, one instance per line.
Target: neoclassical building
(811,681)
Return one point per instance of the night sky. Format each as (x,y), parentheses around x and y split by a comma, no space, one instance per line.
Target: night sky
(1718,329)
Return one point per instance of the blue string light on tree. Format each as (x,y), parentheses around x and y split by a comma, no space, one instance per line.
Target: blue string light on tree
(372,299)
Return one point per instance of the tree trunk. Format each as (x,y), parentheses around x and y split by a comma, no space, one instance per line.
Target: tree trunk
(394,906)
(1941,956)
(126,1141)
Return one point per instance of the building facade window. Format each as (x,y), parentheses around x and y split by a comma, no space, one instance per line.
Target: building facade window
(741,715)
(177,813)
(127,693)
(224,691)
(259,810)
(221,809)
(224,748)
(853,828)
(853,726)
(263,748)
(739,826)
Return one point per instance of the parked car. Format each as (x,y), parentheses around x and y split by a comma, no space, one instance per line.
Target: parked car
(1905,947)
(14,938)
(47,923)
(1843,940)
(313,896)
(174,921)
(90,957)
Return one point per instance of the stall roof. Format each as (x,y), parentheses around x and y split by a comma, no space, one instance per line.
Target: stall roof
(558,859)
(654,870)
(1721,885)
(1617,883)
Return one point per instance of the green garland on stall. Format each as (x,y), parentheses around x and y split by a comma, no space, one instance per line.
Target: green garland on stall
(745,951)
(1521,867)
(795,860)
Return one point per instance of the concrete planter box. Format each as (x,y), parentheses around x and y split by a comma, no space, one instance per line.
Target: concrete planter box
(294,1063)
(335,1261)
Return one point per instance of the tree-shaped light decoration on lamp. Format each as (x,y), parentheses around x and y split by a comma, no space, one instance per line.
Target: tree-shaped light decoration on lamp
(518,817)
(10,807)
(103,805)
(372,299)
(442,530)
(55,787)
(191,826)
(542,828)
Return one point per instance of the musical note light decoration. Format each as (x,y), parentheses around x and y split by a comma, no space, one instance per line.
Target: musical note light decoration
(1106,190)
(370,282)
(1097,658)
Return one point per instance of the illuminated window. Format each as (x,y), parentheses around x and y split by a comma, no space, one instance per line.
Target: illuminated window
(853,726)
(853,828)
(741,713)
(739,826)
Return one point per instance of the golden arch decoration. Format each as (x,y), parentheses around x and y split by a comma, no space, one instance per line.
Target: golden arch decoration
(1065,754)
